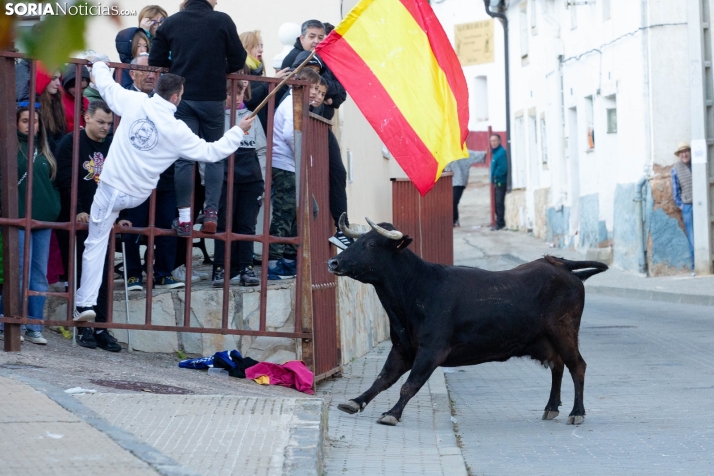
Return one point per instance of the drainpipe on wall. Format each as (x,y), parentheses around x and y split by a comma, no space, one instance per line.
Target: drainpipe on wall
(496,9)
(640,229)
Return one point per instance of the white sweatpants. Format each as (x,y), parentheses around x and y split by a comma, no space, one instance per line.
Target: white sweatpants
(107,204)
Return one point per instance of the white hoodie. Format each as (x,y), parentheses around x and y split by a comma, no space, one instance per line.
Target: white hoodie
(149,138)
(284,136)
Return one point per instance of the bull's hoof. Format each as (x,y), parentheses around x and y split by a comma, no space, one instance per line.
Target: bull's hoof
(388,420)
(550,414)
(576,419)
(350,407)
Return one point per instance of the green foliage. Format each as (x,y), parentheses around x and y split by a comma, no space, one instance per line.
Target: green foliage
(181,355)
(56,38)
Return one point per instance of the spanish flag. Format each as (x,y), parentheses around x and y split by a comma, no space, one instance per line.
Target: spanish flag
(396,62)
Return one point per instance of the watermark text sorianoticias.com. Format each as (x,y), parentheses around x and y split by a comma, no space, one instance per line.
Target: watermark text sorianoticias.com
(65,8)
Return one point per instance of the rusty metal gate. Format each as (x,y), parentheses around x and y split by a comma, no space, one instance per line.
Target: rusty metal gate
(428,220)
(324,283)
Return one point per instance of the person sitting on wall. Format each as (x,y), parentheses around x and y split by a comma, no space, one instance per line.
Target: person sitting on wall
(499,177)
(682,191)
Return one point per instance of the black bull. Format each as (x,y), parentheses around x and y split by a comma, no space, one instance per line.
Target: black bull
(451,316)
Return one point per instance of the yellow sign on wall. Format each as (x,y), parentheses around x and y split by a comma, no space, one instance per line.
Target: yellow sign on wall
(474,42)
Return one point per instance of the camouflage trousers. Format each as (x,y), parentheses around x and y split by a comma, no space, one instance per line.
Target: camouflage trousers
(284,220)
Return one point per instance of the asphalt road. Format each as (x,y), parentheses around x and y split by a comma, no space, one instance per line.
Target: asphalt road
(649,398)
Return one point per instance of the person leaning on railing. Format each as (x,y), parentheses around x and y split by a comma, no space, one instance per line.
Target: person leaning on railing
(45,207)
(149,139)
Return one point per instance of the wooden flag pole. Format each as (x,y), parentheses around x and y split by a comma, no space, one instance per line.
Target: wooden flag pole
(272,93)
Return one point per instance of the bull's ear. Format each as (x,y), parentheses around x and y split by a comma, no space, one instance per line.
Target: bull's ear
(404,242)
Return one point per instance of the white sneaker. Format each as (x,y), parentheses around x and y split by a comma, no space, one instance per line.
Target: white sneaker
(179,274)
(2,335)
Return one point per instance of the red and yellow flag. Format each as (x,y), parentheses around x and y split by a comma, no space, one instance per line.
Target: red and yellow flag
(396,62)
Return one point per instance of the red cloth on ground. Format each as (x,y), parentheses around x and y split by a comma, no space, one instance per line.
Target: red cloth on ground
(54,263)
(292,374)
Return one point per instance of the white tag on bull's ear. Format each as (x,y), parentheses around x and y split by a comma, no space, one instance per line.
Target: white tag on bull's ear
(404,242)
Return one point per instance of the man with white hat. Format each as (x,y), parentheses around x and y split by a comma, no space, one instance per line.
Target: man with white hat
(682,190)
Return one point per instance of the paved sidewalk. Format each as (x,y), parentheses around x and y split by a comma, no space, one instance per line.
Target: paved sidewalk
(422,443)
(476,245)
(40,437)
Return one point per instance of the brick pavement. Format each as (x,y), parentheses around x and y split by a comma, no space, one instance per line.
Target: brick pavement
(40,437)
(422,443)
(648,396)
(210,434)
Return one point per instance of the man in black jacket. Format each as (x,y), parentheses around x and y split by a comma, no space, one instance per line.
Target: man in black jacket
(311,34)
(94,143)
(201,45)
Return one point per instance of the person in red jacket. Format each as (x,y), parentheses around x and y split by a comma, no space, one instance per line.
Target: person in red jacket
(70,89)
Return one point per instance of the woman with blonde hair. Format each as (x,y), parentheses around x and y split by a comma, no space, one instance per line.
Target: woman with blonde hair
(253,44)
(134,40)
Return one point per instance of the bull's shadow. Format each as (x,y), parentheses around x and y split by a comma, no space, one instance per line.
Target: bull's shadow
(452,316)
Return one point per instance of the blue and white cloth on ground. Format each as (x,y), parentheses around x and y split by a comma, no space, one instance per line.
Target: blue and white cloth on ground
(201,363)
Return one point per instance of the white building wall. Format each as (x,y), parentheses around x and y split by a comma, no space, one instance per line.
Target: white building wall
(455,12)
(619,64)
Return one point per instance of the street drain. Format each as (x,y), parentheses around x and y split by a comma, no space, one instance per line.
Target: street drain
(18,366)
(142,387)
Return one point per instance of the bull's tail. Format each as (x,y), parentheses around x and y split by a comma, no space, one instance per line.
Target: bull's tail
(581,269)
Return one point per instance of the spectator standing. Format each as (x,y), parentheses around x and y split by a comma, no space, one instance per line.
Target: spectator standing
(45,207)
(338,174)
(130,42)
(460,180)
(165,252)
(94,143)
(682,191)
(499,177)
(281,257)
(201,45)
(312,33)
(50,98)
(253,44)
(248,188)
(70,88)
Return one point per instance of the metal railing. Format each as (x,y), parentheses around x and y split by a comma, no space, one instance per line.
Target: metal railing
(306,146)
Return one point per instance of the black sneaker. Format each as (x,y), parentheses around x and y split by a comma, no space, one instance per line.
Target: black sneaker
(105,340)
(218,277)
(85,337)
(248,277)
(84,314)
(341,241)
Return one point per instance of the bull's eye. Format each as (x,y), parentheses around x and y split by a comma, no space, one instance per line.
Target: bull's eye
(371,244)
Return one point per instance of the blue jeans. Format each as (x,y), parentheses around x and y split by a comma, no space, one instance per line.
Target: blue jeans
(688,218)
(39,255)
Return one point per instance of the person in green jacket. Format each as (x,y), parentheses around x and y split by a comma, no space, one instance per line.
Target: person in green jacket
(45,207)
(499,177)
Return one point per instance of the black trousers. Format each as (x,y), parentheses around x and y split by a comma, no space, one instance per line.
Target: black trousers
(458,191)
(246,205)
(164,246)
(338,179)
(500,205)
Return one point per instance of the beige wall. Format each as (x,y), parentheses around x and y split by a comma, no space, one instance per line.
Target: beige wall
(370,192)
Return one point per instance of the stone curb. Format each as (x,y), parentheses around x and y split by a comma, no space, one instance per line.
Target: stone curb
(452,460)
(305,450)
(154,458)
(647,295)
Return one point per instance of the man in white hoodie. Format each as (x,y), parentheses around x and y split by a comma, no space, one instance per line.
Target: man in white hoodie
(148,140)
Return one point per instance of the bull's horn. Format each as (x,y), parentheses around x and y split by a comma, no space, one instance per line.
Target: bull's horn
(392,235)
(346,231)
